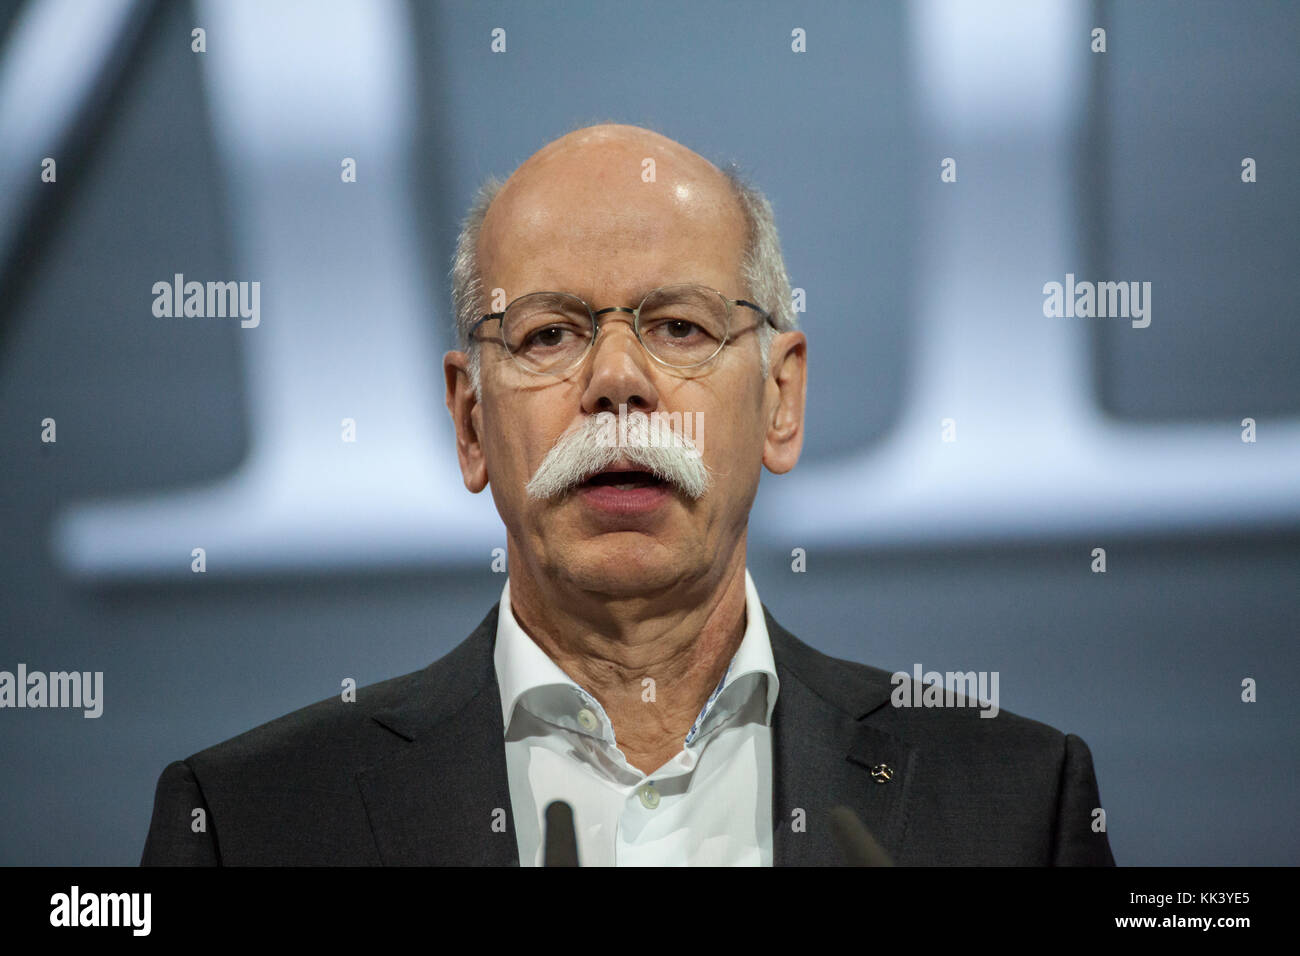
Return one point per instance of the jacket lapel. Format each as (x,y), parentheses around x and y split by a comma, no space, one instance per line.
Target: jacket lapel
(445,799)
(824,750)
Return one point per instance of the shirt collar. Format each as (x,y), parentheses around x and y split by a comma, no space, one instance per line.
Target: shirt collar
(522,667)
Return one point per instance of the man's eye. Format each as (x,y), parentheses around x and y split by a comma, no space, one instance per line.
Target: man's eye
(548,337)
(675,329)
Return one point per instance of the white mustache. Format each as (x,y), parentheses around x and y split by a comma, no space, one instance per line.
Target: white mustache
(648,442)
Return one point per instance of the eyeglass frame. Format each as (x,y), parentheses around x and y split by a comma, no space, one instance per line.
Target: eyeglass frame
(636,325)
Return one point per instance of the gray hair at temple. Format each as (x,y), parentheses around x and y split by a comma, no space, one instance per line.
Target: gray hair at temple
(762,268)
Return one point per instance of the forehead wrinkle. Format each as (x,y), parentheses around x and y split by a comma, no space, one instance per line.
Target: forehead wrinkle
(627,250)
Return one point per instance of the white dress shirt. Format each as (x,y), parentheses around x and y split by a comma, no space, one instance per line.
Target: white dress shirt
(711,805)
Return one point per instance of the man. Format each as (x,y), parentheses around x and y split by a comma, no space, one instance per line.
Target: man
(629,363)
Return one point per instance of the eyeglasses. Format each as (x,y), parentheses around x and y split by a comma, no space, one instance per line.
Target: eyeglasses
(680,326)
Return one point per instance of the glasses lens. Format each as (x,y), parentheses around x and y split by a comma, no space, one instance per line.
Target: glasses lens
(547,331)
(684,325)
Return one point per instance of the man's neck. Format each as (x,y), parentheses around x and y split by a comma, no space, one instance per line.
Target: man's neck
(651,672)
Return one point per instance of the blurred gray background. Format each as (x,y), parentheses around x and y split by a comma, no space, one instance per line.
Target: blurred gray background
(924,302)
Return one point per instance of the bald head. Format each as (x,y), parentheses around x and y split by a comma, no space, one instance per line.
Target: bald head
(607,150)
(612,169)
(612,208)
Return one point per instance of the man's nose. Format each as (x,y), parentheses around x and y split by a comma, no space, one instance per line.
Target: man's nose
(620,369)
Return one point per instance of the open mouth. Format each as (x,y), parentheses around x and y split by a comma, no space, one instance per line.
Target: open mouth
(625,480)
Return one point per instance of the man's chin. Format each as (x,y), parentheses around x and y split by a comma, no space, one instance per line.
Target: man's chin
(625,585)
(623,564)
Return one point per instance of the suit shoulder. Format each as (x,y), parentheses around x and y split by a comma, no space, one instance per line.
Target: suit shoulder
(972,745)
(326,730)
(966,718)
(970,728)
(347,733)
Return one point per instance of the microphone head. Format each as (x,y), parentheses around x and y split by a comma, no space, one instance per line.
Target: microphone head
(855,840)
(561,838)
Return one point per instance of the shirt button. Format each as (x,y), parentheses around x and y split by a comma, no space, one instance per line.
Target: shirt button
(587,719)
(649,796)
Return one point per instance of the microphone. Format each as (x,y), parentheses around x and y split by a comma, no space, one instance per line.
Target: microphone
(855,840)
(561,839)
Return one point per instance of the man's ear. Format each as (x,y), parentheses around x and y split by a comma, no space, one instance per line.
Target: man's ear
(785,394)
(467,417)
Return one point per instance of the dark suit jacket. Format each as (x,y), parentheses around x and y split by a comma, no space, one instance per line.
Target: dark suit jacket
(412,771)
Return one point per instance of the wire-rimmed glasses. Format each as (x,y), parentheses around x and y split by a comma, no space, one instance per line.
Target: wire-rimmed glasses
(680,326)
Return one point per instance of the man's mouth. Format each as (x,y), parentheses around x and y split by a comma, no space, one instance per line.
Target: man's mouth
(625,492)
(624,479)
